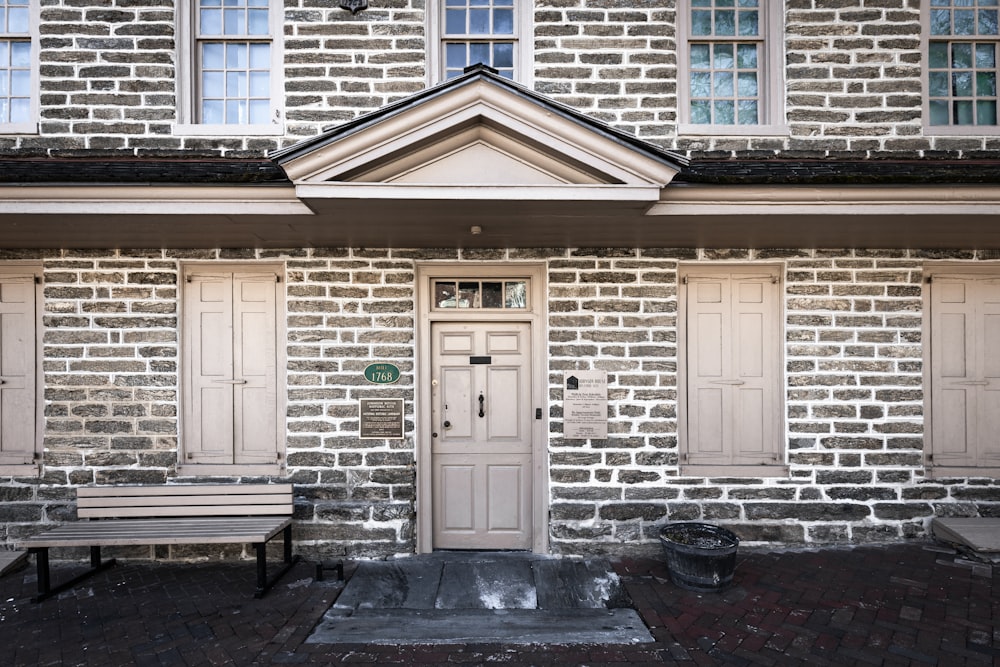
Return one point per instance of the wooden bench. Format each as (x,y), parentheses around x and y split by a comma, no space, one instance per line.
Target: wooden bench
(170,514)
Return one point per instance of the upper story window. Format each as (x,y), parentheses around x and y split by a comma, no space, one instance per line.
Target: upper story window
(230,70)
(491,32)
(962,68)
(731,66)
(16,67)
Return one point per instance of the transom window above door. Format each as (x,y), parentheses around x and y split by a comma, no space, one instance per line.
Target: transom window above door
(481,294)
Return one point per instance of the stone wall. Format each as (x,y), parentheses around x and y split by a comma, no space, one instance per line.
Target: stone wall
(852,76)
(853,395)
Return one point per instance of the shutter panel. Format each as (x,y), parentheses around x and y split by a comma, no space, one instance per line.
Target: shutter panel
(208,338)
(965,370)
(255,363)
(733,368)
(17,369)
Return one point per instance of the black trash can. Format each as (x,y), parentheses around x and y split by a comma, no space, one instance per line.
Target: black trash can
(701,557)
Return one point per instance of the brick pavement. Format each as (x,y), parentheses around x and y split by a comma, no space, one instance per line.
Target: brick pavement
(910,604)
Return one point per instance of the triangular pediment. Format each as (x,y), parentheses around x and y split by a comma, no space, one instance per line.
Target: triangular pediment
(477,137)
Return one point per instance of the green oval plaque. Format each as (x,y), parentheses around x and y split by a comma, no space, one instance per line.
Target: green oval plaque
(382,373)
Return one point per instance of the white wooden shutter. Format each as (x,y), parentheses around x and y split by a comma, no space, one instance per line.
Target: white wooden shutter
(255,368)
(17,369)
(965,370)
(733,368)
(230,333)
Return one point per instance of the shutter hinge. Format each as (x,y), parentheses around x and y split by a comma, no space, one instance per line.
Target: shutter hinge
(187,279)
(775,280)
(684,280)
(38,280)
(277,278)
(684,457)
(930,279)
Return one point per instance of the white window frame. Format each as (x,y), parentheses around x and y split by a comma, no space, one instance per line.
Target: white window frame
(771,85)
(188,78)
(31,126)
(925,39)
(523,39)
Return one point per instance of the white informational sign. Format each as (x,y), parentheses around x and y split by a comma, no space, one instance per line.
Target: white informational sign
(585,405)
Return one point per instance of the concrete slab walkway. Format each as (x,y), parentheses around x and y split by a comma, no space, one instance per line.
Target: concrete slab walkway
(512,598)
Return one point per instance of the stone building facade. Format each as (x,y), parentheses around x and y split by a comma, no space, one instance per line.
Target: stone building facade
(860,216)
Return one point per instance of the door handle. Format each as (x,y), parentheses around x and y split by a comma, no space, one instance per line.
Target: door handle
(482,401)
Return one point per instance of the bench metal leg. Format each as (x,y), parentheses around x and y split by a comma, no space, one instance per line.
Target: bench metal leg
(263,583)
(46,590)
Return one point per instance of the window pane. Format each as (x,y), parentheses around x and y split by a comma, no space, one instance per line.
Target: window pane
(701,112)
(503,22)
(937,84)
(749,23)
(479,53)
(260,56)
(20,83)
(211,22)
(724,112)
(986,55)
(454,22)
(961,55)
(444,294)
(212,84)
(236,55)
(236,84)
(748,112)
(20,54)
(725,22)
(961,84)
(258,22)
(701,23)
(235,112)
(212,55)
(503,55)
(987,21)
(940,22)
(211,112)
(235,21)
(747,84)
(455,56)
(938,54)
(479,22)
(20,111)
(963,113)
(939,112)
(260,111)
(17,20)
(468,295)
(986,84)
(492,295)
(701,84)
(965,22)
(746,56)
(517,294)
(722,84)
(4,87)
(260,84)
(700,57)
(723,56)
(986,113)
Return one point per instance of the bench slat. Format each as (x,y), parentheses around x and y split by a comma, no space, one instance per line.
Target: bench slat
(128,532)
(181,490)
(181,501)
(209,510)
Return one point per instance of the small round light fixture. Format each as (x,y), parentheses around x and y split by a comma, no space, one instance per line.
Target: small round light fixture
(475,230)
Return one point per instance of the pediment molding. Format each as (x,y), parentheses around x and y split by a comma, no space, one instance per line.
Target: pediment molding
(482,133)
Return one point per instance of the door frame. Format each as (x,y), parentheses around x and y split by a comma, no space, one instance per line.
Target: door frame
(535,317)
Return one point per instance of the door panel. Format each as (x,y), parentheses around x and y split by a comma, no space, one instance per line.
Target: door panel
(482,451)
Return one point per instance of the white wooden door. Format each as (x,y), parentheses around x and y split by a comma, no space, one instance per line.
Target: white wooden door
(732,367)
(231,368)
(481,450)
(17,368)
(965,370)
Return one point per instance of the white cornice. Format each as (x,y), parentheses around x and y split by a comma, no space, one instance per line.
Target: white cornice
(151,200)
(697,200)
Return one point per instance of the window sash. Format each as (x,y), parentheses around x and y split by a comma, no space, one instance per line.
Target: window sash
(479,31)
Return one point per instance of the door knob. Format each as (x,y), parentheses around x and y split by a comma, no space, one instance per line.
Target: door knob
(447,424)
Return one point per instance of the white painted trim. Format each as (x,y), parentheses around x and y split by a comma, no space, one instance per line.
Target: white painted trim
(151,200)
(536,316)
(370,191)
(829,200)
